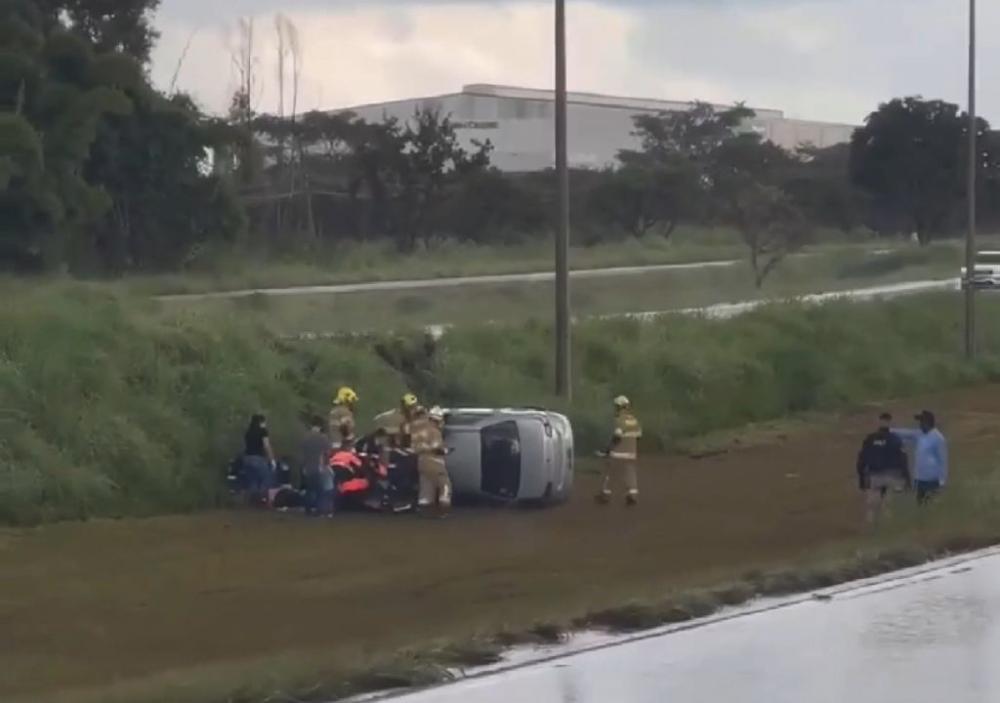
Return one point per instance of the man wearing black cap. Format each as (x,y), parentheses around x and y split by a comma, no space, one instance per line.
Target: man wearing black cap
(882,467)
(930,456)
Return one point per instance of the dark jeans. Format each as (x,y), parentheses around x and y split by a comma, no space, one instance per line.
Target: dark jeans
(319,495)
(258,475)
(926,490)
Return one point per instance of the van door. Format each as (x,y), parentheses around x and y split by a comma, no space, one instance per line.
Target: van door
(501,460)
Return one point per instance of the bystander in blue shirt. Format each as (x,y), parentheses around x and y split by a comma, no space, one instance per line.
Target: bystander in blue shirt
(930,454)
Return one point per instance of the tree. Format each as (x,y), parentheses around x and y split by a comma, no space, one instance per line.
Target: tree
(432,159)
(246,155)
(694,134)
(818,180)
(98,169)
(166,203)
(640,197)
(769,223)
(745,177)
(488,206)
(666,179)
(59,91)
(910,157)
(108,26)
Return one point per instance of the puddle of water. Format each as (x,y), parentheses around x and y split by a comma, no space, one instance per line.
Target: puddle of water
(930,636)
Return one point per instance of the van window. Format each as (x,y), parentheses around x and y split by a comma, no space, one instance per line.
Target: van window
(501,460)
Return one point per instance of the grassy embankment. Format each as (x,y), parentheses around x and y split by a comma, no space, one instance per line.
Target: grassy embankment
(109,407)
(512,302)
(380,261)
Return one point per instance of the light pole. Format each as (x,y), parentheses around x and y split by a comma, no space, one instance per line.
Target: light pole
(562,322)
(970,238)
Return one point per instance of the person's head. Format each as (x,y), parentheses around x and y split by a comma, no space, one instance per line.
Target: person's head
(346,397)
(436,415)
(926,420)
(622,403)
(884,421)
(409,404)
(258,422)
(316,423)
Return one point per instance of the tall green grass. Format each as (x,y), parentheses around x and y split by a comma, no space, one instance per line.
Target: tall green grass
(109,409)
(688,376)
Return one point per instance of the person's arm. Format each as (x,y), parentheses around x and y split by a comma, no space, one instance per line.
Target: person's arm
(267,449)
(616,439)
(942,451)
(906,435)
(904,464)
(862,466)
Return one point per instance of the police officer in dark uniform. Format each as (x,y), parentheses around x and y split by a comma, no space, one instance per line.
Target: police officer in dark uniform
(882,467)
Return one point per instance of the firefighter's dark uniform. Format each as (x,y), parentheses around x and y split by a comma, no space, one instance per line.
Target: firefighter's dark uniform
(623,454)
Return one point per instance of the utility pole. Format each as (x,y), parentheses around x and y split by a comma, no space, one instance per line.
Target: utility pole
(562,327)
(970,239)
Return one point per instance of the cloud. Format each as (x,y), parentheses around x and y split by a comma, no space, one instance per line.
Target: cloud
(821,59)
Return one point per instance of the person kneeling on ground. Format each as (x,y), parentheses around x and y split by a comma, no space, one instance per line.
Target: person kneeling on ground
(258,460)
(315,458)
(882,467)
(428,445)
(622,454)
(930,456)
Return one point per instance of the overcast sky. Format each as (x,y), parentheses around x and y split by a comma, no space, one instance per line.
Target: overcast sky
(819,59)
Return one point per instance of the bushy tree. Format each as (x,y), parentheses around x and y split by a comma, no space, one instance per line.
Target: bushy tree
(58,92)
(666,180)
(643,196)
(910,157)
(819,182)
(98,169)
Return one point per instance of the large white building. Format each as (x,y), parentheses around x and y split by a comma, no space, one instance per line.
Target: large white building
(520,123)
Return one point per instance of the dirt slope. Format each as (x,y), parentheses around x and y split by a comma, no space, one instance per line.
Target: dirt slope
(84,605)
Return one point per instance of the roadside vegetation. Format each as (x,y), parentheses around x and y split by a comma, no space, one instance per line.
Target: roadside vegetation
(111,407)
(653,291)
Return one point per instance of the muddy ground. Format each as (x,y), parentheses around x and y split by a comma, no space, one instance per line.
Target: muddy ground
(89,605)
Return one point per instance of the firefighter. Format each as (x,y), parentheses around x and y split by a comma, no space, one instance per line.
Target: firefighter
(393,436)
(395,425)
(622,454)
(341,421)
(428,445)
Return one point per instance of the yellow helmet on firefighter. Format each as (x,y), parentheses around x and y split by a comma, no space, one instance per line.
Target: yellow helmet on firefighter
(346,396)
(409,401)
(622,402)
